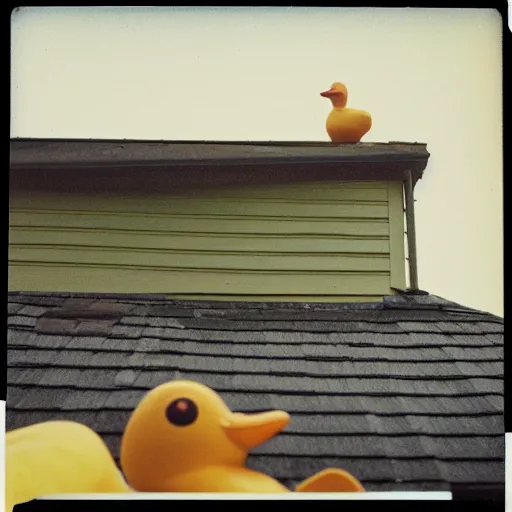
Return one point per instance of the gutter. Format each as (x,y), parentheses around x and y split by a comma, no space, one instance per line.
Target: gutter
(411,230)
(387,160)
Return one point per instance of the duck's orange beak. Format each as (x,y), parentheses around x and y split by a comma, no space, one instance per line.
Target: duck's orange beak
(250,430)
(328,93)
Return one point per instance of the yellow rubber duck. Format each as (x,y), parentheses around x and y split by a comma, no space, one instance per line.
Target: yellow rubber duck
(345,124)
(58,457)
(182,437)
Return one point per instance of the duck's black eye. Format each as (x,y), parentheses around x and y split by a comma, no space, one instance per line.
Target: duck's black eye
(181,412)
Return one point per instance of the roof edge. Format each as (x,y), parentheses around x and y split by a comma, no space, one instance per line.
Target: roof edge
(210,141)
(123,153)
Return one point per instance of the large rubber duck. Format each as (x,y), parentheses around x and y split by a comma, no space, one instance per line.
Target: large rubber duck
(345,124)
(58,457)
(182,437)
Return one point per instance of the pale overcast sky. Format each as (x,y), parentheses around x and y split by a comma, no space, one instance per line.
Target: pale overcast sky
(427,75)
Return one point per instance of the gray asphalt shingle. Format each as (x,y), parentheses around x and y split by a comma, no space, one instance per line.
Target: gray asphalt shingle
(43,398)
(19,339)
(32,310)
(126,378)
(13,308)
(21,321)
(126,331)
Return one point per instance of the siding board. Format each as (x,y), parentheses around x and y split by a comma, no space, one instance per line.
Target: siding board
(300,193)
(105,279)
(230,207)
(205,242)
(27,218)
(141,258)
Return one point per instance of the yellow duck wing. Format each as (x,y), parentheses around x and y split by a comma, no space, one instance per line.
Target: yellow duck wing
(330,480)
(58,457)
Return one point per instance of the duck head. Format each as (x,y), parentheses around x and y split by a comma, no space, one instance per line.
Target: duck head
(338,94)
(183,426)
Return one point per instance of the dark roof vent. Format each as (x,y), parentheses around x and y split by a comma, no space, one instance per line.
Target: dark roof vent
(82,318)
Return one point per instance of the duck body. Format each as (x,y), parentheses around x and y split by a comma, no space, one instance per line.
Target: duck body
(182,437)
(348,124)
(345,124)
(58,457)
(228,479)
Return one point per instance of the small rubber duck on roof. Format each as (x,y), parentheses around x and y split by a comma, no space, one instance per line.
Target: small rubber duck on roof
(345,124)
(58,457)
(182,437)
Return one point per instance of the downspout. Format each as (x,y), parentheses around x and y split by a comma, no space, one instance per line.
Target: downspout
(411,231)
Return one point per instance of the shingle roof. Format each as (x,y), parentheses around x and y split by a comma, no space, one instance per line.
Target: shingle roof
(405,394)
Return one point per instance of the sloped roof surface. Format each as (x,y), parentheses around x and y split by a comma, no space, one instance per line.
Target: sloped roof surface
(407,394)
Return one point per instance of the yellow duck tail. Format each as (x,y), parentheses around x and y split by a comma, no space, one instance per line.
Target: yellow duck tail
(58,457)
(330,480)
